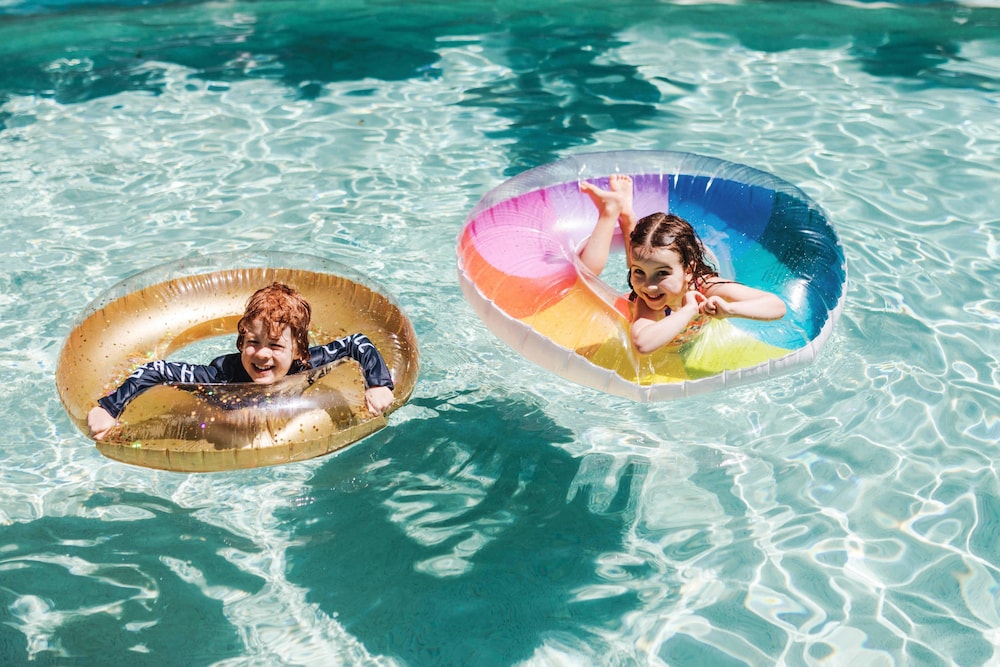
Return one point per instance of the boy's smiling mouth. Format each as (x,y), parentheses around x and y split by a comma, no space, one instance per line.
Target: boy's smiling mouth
(263,371)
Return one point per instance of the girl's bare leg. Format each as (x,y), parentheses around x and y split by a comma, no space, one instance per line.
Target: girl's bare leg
(621,185)
(614,207)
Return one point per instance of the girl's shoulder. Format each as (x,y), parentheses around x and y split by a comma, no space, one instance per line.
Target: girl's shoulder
(709,285)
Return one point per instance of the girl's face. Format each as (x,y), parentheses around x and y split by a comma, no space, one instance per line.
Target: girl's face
(266,359)
(659,278)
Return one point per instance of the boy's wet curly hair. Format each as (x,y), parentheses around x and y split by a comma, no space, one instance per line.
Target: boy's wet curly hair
(279,306)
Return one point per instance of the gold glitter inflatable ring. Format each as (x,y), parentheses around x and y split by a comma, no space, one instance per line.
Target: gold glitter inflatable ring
(213,427)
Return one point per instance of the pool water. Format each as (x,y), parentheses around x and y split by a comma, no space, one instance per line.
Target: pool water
(845,514)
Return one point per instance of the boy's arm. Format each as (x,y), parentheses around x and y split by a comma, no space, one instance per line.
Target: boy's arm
(361,349)
(154,373)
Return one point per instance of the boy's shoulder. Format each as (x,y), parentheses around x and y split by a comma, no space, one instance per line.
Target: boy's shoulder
(231,368)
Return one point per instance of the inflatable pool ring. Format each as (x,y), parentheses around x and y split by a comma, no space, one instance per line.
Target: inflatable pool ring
(211,427)
(518,268)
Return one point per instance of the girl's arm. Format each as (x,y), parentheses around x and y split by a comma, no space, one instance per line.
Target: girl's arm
(649,334)
(614,207)
(736,300)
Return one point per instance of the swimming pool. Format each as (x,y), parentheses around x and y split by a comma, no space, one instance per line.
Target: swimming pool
(843,514)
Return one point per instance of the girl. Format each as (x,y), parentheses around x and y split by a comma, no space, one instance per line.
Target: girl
(273,341)
(674,290)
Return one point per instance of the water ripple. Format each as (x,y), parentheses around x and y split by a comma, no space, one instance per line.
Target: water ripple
(845,514)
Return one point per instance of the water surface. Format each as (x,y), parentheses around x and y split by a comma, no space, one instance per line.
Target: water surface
(846,514)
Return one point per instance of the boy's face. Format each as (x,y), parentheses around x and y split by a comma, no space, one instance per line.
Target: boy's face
(266,359)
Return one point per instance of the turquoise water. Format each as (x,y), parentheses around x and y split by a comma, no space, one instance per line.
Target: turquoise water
(846,514)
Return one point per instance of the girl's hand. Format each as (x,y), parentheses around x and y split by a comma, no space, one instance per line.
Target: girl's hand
(695,300)
(651,331)
(100,422)
(735,300)
(716,306)
(377,399)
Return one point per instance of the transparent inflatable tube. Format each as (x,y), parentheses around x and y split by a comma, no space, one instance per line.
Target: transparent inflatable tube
(203,428)
(518,268)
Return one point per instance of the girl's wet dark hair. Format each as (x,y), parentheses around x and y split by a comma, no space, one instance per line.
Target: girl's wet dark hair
(666,230)
(279,306)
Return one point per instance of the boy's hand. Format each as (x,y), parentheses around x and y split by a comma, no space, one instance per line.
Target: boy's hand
(100,422)
(378,399)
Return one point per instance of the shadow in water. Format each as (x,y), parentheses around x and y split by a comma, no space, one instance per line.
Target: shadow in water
(463,541)
(562,92)
(93,591)
(563,86)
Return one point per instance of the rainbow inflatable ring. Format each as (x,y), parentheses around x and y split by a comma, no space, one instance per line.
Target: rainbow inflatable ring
(518,268)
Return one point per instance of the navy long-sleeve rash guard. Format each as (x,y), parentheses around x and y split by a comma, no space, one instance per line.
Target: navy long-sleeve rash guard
(229,368)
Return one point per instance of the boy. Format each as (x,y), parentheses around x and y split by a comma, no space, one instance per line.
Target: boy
(273,341)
